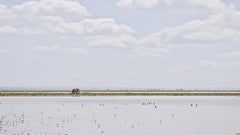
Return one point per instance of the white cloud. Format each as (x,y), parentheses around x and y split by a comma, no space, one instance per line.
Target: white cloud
(43,10)
(58,49)
(34,16)
(83,27)
(92,26)
(55,16)
(220,28)
(213,5)
(233,54)
(49,17)
(109,40)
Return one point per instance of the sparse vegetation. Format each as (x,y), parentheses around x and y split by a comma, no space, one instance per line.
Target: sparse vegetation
(119,93)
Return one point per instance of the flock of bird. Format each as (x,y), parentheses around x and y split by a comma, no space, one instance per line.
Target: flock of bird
(67,118)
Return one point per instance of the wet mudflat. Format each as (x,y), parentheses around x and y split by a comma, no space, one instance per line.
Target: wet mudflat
(131,115)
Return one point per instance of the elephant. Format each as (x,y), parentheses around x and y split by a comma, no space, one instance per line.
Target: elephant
(75,91)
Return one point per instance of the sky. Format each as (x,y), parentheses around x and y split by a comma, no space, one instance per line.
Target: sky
(120,43)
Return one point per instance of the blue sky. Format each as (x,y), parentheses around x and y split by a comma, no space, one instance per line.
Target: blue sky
(120,43)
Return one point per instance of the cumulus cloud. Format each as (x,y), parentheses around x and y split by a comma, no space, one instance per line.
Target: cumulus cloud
(109,40)
(50,17)
(55,16)
(213,5)
(48,10)
(33,17)
(58,49)
(219,28)
(83,27)
(92,26)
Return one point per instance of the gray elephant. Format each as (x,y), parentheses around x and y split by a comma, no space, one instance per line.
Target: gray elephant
(75,91)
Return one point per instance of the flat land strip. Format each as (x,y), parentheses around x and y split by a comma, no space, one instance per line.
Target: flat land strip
(121,93)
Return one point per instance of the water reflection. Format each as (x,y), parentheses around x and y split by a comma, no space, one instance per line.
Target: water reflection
(119,115)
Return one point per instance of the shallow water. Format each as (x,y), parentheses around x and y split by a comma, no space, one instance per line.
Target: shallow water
(135,115)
